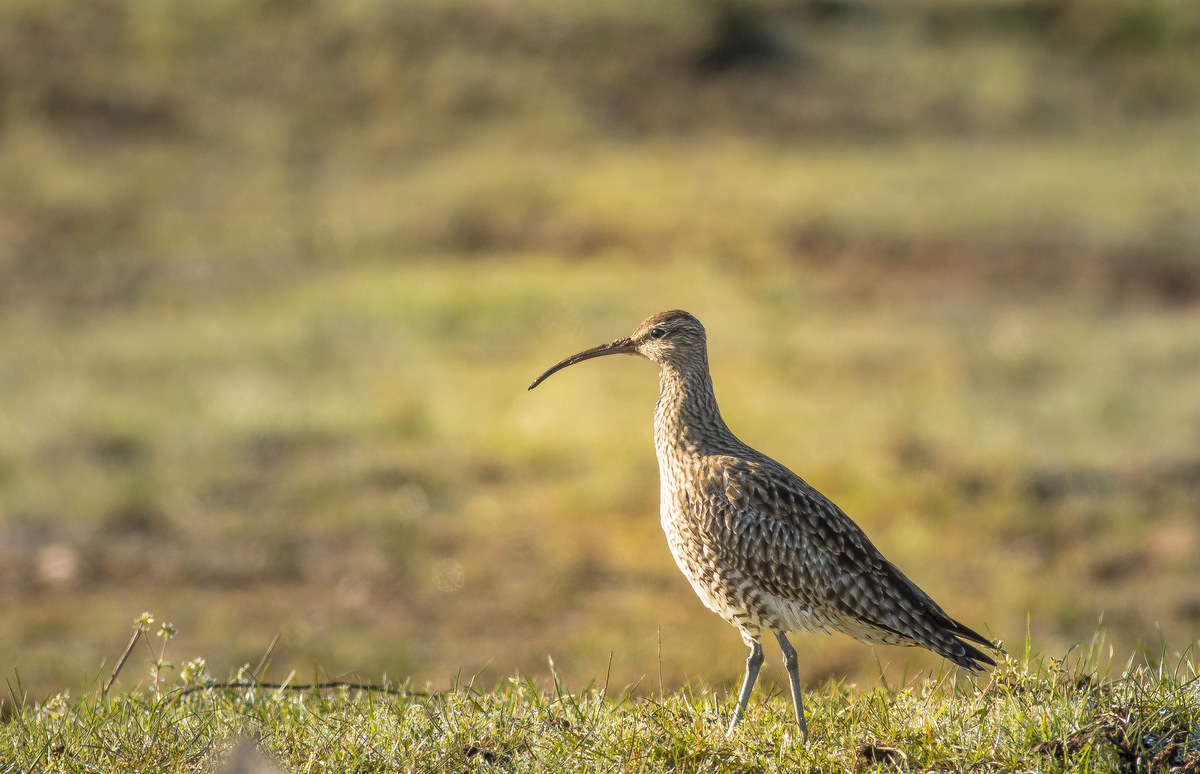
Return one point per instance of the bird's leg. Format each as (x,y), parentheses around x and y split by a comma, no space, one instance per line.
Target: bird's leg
(789,661)
(752,666)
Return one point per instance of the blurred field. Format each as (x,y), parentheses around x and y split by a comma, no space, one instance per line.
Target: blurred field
(274,276)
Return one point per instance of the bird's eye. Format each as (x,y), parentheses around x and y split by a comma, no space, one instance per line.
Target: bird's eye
(657,333)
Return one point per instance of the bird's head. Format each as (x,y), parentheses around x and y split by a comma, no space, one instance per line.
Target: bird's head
(673,338)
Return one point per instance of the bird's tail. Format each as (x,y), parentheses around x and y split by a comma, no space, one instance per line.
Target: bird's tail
(955,645)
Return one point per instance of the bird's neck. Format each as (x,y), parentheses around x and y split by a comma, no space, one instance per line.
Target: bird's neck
(687,421)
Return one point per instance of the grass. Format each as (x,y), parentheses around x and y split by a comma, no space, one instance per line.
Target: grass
(274,275)
(1030,714)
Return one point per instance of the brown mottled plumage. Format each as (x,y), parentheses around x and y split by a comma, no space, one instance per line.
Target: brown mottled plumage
(762,548)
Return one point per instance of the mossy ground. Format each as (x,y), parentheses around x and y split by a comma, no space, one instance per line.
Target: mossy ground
(1029,714)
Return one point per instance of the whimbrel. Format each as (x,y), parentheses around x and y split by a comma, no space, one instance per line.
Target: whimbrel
(762,548)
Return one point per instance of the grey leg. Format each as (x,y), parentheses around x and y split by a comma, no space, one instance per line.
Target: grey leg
(789,661)
(752,665)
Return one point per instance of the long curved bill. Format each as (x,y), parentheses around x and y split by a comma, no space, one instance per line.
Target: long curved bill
(619,347)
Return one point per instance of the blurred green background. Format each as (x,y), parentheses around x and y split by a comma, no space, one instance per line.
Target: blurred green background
(274,275)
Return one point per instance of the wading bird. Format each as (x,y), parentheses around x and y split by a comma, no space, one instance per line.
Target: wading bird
(762,548)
